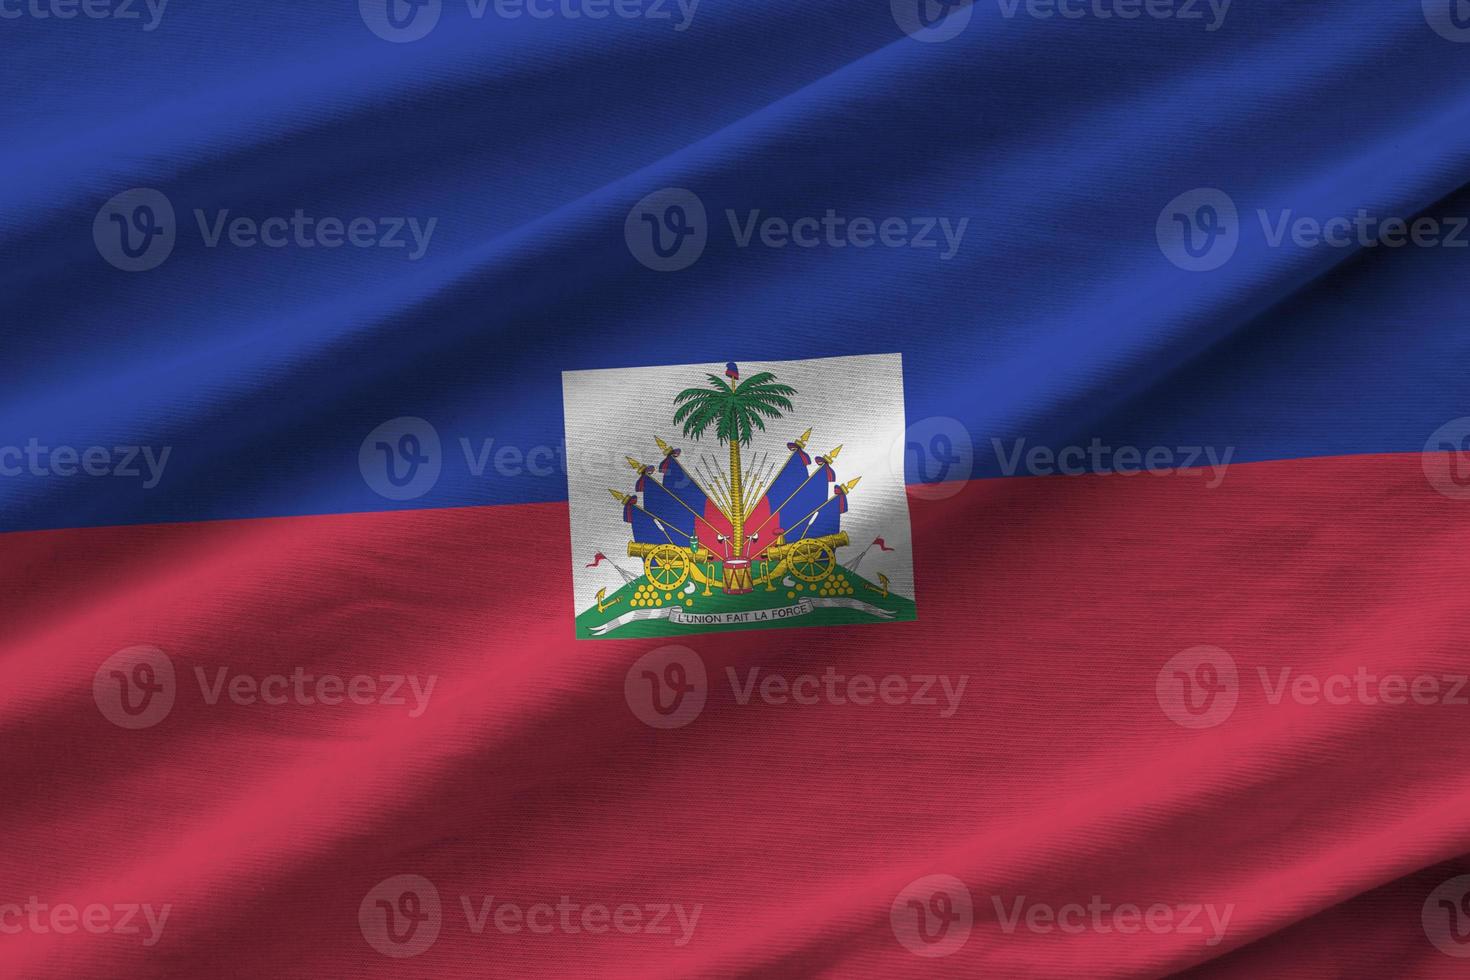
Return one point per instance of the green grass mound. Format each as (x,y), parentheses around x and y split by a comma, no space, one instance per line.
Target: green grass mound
(769,607)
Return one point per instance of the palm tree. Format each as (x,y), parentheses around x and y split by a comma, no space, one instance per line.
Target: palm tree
(736,411)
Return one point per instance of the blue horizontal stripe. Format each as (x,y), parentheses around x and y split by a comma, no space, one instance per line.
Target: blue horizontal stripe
(1057,321)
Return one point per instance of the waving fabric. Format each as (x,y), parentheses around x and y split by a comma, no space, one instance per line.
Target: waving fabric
(1175,294)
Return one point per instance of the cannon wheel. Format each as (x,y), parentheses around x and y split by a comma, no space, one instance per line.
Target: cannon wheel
(666,567)
(810,561)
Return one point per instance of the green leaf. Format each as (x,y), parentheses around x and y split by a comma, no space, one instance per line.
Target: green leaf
(736,413)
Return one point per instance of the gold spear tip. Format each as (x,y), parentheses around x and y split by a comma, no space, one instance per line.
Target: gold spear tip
(852,484)
(663,445)
(802,439)
(833,454)
(621,498)
(634,463)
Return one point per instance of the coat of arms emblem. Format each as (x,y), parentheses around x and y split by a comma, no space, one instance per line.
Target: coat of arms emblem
(701,497)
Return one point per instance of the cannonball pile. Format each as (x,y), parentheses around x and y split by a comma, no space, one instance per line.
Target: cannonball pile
(647,596)
(836,585)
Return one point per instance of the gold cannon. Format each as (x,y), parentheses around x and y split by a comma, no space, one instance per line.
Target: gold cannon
(808,559)
(667,566)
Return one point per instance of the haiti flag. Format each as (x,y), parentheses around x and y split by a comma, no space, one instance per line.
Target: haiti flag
(698,488)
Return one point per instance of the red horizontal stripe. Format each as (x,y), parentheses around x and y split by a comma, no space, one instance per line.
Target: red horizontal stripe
(1059,776)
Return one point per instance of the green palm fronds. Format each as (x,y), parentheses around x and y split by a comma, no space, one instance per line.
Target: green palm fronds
(735,412)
